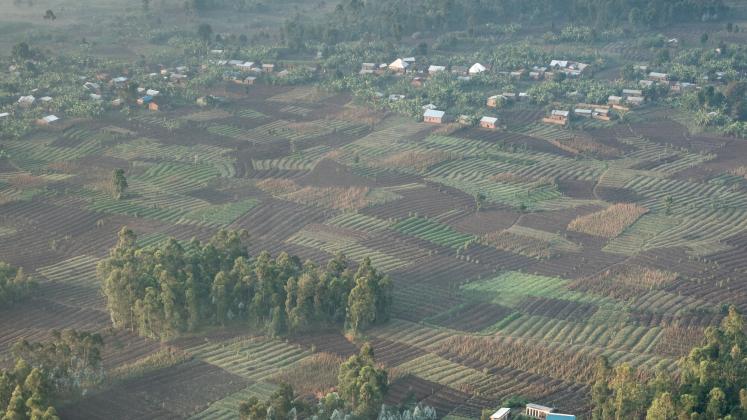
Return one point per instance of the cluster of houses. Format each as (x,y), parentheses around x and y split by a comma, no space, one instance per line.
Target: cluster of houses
(410,65)
(432,115)
(246,72)
(534,411)
(29,101)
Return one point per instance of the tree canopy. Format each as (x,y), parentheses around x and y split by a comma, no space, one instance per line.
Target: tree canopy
(712,382)
(171,288)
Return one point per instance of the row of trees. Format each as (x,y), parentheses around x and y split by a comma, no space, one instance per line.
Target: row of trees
(15,285)
(44,372)
(362,386)
(167,289)
(711,384)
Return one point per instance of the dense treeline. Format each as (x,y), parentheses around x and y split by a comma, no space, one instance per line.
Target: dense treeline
(15,285)
(355,19)
(711,383)
(45,371)
(163,290)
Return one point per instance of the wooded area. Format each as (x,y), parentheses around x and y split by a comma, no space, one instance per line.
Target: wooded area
(167,289)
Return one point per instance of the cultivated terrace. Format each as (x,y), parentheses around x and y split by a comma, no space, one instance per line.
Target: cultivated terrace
(393,209)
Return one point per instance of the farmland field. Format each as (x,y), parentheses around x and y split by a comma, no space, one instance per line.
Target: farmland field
(518,255)
(420,211)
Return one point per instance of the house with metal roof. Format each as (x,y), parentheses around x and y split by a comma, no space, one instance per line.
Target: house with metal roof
(501,414)
(434,116)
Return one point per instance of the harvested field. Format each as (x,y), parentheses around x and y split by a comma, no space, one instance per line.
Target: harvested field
(610,222)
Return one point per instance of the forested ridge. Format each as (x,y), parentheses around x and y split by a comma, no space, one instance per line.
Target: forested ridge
(354,19)
(163,290)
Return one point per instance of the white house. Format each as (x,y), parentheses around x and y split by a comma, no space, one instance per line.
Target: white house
(152,92)
(399,65)
(476,68)
(4,114)
(501,414)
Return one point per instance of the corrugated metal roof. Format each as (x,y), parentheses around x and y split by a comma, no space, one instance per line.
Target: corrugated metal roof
(434,113)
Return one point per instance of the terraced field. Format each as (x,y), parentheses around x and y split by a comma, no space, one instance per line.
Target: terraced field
(474,227)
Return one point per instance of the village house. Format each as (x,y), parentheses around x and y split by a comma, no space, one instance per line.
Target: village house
(682,87)
(434,116)
(145,100)
(246,66)
(558,117)
(48,120)
(119,80)
(95,96)
(570,68)
(509,96)
(436,69)
(152,92)
(517,74)
(417,81)
(537,411)
(634,100)
(489,122)
(476,68)
(91,86)
(632,92)
(523,95)
(178,78)
(4,114)
(602,114)
(583,112)
(368,68)
(537,73)
(46,99)
(26,101)
(493,101)
(153,106)
(658,77)
(501,414)
(645,83)
(459,70)
(268,68)
(399,66)
(116,103)
(429,106)
(396,97)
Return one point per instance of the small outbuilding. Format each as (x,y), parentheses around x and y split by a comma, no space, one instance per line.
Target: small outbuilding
(477,68)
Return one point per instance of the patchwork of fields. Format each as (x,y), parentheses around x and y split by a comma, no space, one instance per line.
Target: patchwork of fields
(498,242)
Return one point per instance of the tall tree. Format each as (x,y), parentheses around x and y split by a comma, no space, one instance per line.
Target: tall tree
(119,183)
